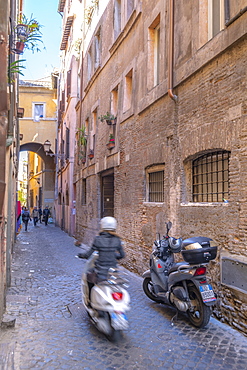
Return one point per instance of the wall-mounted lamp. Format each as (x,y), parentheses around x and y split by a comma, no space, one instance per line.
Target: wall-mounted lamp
(31,174)
(47,147)
(20,112)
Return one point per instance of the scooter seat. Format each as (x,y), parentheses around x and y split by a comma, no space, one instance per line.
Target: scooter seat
(176,266)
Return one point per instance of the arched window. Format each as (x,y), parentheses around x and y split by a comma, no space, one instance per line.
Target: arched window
(210,177)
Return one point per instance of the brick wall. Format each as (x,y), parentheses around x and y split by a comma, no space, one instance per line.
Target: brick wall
(210,115)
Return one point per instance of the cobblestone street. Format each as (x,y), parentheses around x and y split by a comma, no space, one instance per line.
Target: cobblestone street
(52,330)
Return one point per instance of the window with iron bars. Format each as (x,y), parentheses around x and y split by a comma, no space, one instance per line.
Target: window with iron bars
(156,186)
(210,174)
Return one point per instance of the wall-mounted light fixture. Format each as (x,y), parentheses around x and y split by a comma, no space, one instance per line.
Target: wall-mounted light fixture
(31,174)
(47,147)
(20,112)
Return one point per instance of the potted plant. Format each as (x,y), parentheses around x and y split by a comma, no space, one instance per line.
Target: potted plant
(82,137)
(15,67)
(111,142)
(82,144)
(109,118)
(82,157)
(91,154)
(28,34)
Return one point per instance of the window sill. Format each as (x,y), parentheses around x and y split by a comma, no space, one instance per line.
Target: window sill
(153,204)
(204,204)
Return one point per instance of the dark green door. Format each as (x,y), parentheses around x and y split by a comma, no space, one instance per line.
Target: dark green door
(107,208)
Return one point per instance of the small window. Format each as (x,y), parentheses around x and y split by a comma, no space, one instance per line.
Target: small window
(154,54)
(210,174)
(84,192)
(68,83)
(67,151)
(89,64)
(94,129)
(117,18)
(155,184)
(127,91)
(216,17)
(97,51)
(130,7)
(114,101)
(38,111)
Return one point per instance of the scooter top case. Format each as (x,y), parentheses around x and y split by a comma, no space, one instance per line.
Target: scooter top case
(203,254)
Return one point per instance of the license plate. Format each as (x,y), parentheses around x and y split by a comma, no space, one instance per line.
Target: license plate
(207,293)
(119,321)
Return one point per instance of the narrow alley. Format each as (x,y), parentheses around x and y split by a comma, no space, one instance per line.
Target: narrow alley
(52,330)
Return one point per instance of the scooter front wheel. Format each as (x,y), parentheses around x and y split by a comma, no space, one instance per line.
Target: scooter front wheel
(147,286)
(201,313)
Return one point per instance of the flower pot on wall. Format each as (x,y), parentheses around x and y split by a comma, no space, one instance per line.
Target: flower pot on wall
(111,144)
(111,121)
(19,47)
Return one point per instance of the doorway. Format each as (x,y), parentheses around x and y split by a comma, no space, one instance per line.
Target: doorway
(107,194)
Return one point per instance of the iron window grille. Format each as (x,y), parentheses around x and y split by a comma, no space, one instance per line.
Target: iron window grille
(156,186)
(211,177)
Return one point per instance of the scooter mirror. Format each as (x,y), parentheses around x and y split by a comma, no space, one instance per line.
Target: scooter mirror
(168,226)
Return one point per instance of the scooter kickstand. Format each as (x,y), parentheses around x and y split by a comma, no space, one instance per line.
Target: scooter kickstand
(175,317)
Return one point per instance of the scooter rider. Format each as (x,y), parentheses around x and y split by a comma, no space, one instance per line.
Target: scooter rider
(108,245)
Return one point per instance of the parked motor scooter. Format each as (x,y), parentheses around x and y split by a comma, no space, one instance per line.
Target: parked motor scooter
(182,285)
(107,301)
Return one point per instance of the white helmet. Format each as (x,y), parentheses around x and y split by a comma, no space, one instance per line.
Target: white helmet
(108,223)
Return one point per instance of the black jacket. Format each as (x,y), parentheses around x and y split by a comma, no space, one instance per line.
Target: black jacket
(26,216)
(46,212)
(109,247)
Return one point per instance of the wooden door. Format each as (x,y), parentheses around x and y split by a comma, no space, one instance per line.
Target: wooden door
(107,208)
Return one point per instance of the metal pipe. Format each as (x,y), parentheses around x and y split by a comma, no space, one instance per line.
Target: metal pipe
(230,21)
(170,51)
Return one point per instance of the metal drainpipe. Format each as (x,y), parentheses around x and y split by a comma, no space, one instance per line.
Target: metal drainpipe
(170,51)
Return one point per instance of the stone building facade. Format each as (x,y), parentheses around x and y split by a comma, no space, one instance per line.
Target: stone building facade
(9,141)
(39,124)
(174,76)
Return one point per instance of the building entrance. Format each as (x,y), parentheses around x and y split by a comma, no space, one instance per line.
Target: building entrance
(107,194)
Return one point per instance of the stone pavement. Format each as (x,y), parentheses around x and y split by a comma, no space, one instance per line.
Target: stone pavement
(53,332)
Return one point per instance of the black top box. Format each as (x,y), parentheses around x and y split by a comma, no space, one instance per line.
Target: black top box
(200,255)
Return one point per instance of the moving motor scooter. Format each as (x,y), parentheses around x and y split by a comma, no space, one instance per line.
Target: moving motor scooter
(106,301)
(182,285)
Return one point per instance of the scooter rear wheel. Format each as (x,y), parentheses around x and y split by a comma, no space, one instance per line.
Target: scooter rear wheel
(147,286)
(200,316)
(115,335)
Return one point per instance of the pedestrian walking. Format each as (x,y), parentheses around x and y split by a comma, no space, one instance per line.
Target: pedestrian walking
(40,215)
(26,217)
(46,214)
(35,215)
